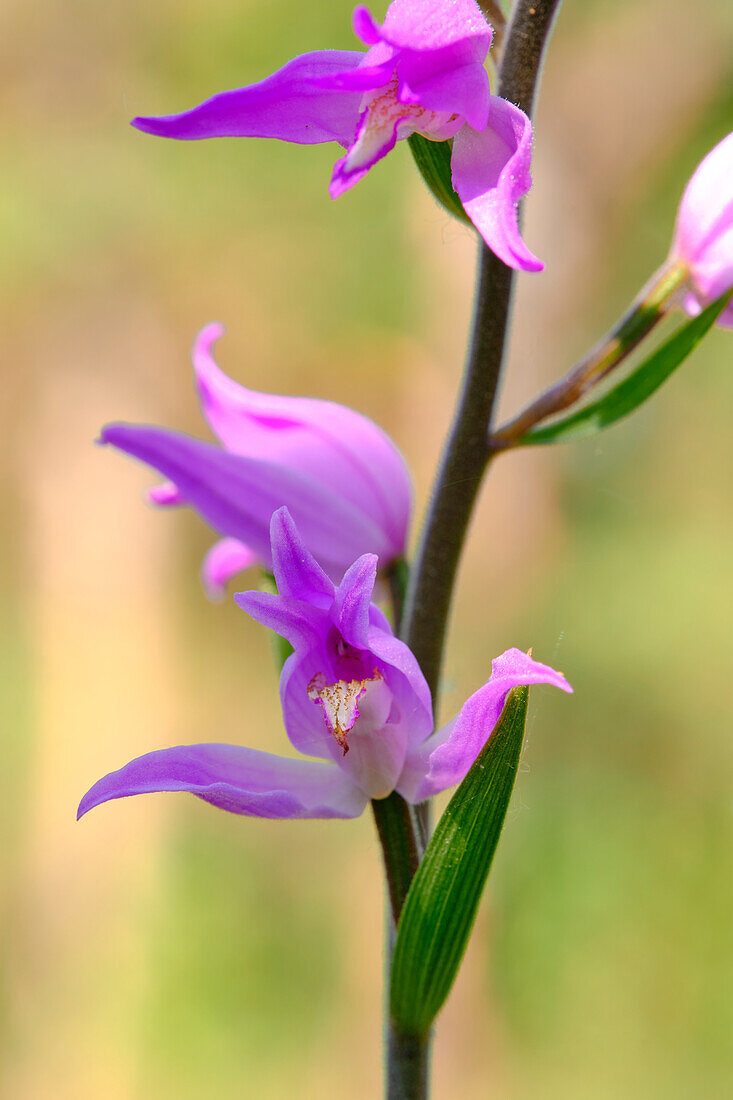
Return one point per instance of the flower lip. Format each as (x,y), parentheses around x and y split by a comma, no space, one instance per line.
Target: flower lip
(389,113)
(340,702)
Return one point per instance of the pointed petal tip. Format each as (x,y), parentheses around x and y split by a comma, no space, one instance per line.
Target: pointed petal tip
(106,435)
(87,803)
(148,124)
(204,341)
(533,265)
(241,599)
(365,26)
(281,522)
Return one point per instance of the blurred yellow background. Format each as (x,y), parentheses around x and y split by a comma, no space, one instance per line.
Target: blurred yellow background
(161,949)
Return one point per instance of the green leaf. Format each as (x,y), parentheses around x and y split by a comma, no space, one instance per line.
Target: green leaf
(441,904)
(433,161)
(643,381)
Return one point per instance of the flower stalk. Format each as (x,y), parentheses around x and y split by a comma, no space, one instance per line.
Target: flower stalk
(464,464)
(466,454)
(645,312)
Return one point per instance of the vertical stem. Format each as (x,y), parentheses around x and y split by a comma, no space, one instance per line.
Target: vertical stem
(465,456)
(461,470)
(402,846)
(407,1070)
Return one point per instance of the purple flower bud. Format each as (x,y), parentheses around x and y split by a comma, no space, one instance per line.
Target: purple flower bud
(704,232)
(340,475)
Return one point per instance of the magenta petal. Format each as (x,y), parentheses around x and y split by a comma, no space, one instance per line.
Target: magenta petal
(288,105)
(443,82)
(364,79)
(410,687)
(299,623)
(443,759)
(421,25)
(353,600)
(237,495)
(166,495)
(439,51)
(351,169)
(365,26)
(491,174)
(344,451)
(704,232)
(240,780)
(225,559)
(706,207)
(298,575)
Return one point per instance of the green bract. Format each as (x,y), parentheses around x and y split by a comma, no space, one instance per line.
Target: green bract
(441,904)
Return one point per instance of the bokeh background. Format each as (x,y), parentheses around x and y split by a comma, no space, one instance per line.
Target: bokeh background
(161,949)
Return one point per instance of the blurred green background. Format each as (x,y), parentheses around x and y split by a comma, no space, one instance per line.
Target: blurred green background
(161,949)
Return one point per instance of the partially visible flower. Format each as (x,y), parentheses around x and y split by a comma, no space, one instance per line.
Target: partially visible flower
(704,232)
(340,475)
(423,73)
(353,698)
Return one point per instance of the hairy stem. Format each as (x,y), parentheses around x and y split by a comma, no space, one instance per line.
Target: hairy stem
(646,311)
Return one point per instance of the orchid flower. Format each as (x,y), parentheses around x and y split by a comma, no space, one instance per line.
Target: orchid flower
(422,73)
(342,477)
(704,233)
(355,705)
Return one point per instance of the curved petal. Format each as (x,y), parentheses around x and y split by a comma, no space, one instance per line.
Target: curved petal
(289,105)
(406,681)
(444,758)
(297,573)
(439,51)
(491,174)
(299,623)
(442,82)
(415,25)
(166,495)
(339,448)
(237,495)
(706,207)
(225,559)
(237,779)
(304,720)
(373,141)
(353,599)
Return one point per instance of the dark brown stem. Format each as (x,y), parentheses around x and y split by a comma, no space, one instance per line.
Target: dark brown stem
(402,847)
(456,487)
(466,454)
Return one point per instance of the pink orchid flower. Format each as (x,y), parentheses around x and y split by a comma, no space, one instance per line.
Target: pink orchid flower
(340,475)
(422,73)
(704,232)
(355,706)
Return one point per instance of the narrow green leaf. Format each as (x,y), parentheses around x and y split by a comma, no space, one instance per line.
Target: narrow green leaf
(433,160)
(441,904)
(643,381)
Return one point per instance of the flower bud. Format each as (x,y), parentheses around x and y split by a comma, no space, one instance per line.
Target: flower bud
(704,233)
